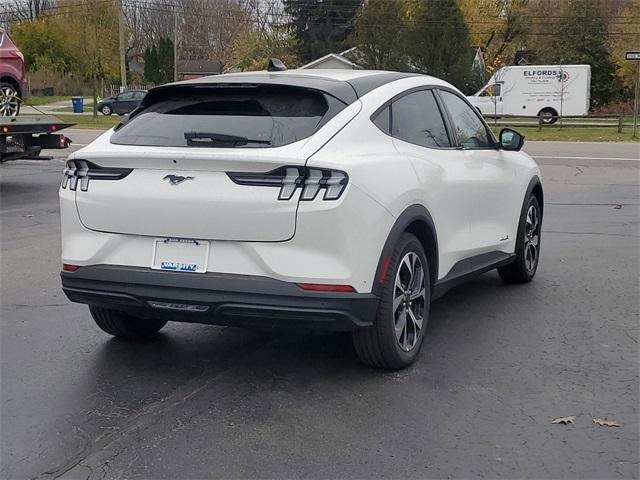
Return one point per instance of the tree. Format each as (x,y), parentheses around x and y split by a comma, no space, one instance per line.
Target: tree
(583,40)
(151,64)
(379,32)
(438,41)
(321,26)
(212,28)
(498,27)
(253,50)
(21,10)
(165,60)
(93,37)
(43,44)
(626,37)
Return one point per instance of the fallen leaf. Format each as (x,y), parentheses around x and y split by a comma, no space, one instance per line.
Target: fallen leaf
(28,215)
(605,422)
(564,420)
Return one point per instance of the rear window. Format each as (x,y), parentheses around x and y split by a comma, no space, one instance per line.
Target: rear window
(229,116)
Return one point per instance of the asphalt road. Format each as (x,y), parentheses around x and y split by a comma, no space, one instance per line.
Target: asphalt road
(498,364)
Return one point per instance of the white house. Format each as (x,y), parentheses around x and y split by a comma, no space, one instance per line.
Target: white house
(332,61)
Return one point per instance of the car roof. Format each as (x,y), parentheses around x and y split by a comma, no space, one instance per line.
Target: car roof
(346,85)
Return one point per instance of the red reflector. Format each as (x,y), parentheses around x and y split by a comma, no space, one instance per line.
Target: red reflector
(321,287)
(69,268)
(384,268)
(53,128)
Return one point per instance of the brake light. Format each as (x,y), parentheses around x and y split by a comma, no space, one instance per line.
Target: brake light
(67,267)
(288,179)
(322,287)
(83,171)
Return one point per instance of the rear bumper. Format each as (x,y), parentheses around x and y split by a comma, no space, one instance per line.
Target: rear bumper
(220,299)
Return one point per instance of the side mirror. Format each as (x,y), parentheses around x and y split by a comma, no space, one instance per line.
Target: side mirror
(511,140)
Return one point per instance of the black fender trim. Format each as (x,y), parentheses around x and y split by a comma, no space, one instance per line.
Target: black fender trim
(533,183)
(411,214)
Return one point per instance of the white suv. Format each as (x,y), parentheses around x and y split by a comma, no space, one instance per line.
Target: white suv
(340,200)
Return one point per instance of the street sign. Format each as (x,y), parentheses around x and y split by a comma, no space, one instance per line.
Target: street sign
(632,56)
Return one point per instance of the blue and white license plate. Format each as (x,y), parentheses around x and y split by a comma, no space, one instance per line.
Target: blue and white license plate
(180,255)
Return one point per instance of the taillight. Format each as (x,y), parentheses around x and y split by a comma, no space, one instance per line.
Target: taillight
(288,179)
(84,171)
(67,267)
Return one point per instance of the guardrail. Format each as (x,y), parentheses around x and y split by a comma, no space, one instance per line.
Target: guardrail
(589,121)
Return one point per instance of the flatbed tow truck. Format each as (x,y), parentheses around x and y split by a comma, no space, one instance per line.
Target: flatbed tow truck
(24,137)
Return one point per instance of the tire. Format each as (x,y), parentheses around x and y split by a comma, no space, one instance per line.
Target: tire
(106,110)
(524,267)
(387,344)
(120,324)
(548,116)
(9,100)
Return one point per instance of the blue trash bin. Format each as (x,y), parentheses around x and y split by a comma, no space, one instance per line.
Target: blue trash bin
(78,104)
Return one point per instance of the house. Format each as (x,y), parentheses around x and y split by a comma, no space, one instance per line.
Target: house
(333,61)
(524,57)
(188,69)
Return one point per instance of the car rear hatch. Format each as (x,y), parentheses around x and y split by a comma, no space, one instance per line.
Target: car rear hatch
(203,162)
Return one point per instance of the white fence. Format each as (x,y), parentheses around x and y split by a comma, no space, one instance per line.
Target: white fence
(114,89)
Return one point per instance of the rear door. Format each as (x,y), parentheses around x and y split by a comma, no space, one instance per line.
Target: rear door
(206,163)
(124,103)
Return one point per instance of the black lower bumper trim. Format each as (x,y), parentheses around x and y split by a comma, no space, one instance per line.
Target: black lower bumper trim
(220,299)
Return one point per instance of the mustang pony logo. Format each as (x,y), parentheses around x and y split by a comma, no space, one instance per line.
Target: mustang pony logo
(176,179)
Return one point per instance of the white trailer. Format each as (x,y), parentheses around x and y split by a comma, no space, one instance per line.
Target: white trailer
(545,91)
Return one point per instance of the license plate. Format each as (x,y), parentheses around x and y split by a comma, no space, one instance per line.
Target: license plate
(180,255)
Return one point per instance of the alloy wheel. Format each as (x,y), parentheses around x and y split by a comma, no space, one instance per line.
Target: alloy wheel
(409,301)
(9,102)
(532,238)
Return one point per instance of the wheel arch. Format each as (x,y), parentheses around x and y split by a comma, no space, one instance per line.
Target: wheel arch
(416,220)
(535,188)
(555,112)
(13,82)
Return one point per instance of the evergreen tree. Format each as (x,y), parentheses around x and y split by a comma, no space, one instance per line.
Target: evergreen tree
(582,39)
(165,60)
(438,41)
(380,27)
(321,26)
(151,64)
(158,62)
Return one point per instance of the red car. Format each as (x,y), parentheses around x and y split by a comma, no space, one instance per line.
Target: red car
(13,76)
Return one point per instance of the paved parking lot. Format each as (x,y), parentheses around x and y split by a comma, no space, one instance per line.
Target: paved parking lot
(498,364)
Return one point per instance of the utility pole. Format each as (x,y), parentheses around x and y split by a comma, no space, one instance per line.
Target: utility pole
(635,102)
(123,60)
(635,57)
(175,43)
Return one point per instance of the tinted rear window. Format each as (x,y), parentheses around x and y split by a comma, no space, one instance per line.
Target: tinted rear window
(229,116)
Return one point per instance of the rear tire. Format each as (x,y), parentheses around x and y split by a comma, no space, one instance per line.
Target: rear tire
(120,324)
(9,100)
(548,116)
(525,265)
(395,339)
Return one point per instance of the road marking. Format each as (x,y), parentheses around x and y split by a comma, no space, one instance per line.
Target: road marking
(587,158)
